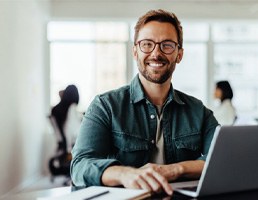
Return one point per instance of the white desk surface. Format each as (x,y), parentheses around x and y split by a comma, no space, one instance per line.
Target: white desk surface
(42,193)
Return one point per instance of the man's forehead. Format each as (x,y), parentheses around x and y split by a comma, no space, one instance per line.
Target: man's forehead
(155,29)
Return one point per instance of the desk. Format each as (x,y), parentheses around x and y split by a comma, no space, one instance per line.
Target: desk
(40,193)
(250,195)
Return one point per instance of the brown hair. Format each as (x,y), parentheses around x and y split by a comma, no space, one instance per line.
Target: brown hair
(160,16)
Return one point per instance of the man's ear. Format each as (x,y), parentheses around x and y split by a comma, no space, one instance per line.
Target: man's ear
(180,55)
(135,55)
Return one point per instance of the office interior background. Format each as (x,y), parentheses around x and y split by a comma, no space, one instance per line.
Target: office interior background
(47,44)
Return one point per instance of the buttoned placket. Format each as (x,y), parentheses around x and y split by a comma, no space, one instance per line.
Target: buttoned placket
(152,122)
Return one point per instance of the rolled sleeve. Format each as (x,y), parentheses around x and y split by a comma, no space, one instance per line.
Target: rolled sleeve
(92,147)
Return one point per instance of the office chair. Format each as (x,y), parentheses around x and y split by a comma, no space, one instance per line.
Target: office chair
(59,164)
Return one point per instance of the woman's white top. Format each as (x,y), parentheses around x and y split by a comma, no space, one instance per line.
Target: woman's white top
(225,113)
(72,125)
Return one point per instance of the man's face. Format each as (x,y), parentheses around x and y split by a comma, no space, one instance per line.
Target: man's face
(157,67)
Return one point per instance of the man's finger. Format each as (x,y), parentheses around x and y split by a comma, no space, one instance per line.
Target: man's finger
(163,182)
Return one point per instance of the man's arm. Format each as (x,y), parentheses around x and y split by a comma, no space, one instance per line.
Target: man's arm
(92,147)
(152,177)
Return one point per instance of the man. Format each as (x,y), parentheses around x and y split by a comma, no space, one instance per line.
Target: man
(145,134)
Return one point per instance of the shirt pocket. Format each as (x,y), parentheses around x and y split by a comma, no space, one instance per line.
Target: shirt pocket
(130,150)
(188,147)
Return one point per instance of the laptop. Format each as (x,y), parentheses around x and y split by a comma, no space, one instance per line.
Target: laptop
(231,164)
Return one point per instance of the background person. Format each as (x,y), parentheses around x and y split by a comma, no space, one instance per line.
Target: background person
(147,133)
(225,113)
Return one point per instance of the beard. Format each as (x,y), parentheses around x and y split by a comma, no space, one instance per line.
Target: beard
(156,75)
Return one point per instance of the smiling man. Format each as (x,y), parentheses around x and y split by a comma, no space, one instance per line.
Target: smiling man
(145,134)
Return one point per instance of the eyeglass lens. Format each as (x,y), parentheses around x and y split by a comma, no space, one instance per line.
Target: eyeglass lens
(147,46)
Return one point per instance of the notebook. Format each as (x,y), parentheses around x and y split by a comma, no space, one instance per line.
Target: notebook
(231,164)
(102,193)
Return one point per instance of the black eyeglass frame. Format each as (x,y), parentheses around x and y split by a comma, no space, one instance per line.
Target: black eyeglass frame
(155,43)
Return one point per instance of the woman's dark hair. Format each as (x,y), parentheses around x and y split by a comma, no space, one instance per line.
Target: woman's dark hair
(70,95)
(227,92)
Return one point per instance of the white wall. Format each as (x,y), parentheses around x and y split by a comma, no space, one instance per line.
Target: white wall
(23,102)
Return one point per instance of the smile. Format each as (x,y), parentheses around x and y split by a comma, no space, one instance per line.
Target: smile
(155,64)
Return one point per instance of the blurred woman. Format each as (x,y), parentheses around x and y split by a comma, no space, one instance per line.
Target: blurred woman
(225,113)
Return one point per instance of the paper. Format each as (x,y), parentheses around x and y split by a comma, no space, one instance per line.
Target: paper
(102,193)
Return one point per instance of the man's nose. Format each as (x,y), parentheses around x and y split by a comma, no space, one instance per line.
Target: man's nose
(156,50)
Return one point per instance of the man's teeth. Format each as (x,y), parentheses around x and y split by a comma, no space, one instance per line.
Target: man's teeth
(155,64)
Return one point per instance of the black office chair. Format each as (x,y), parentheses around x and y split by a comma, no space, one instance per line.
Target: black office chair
(59,164)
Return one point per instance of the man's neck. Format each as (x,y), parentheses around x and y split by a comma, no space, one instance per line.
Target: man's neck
(156,93)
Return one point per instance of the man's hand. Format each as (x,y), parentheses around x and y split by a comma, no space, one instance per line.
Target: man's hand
(187,169)
(143,178)
(170,172)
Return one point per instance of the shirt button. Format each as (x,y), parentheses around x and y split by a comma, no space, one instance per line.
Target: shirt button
(152,141)
(152,116)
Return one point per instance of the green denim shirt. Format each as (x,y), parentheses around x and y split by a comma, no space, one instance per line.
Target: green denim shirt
(119,128)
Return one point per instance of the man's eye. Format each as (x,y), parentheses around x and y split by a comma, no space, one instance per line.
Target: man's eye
(168,46)
(147,44)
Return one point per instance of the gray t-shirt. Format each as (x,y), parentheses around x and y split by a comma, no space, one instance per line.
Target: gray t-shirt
(158,153)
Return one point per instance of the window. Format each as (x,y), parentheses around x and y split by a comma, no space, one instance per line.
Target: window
(191,74)
(236,60)
(91,55)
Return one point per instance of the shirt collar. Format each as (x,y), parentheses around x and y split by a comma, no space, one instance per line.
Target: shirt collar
(137,93)
(136,90)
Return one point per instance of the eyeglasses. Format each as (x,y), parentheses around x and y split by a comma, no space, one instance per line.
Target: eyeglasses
(166,46)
